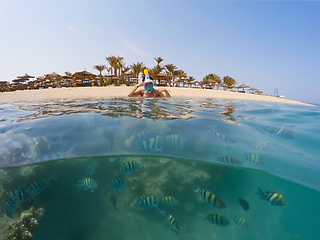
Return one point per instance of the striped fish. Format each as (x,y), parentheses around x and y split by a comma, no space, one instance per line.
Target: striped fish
(224,137)
(18,195)
(129,167)
(9,207)
(148,141)
(174,141)
(240,222)
(282,131)
(261,145)
(254,158)
(210,198)
(272,197)
(117,184)
(229,160)
(147,202)
(169,200)
(91,169)
(173,223)
(36,187)
(216,219)
(86,184)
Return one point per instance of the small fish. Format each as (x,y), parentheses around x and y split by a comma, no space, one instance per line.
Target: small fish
(210,198)
(18,195)
(91,169)
(9,207)
(149,144)
(216,219)
(86,184)
(173,223)
(229,160)
(240,222)
(117,184)
(174,141)
(261,145)
(224,137)
(244,204)
(254,158)
(113,200)
(36,187)
(169,200)
(129,167)
(147,202)
(272,197)
(282,131)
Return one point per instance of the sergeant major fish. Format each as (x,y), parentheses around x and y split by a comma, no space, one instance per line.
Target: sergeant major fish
(86,184)
(173,223)
(145,202)
(169,200)
(216,219)
(9,207)
(18,195)
(254,158)
(240,222)
(210,198)
(224,137)
(229,160)
(272,197)
(117,184)
(129,167)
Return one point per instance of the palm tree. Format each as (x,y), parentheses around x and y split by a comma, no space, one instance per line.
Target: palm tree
(170,69)
(214,78)
(229,81)
(120,64)
(137,68)
(68,74)
(159,67)
(112,60)
(189,80)
(180,74)
(100,68)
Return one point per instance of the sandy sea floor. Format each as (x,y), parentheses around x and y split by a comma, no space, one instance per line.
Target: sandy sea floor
(95,93)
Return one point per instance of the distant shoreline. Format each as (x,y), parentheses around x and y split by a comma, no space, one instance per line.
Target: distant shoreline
(98,93)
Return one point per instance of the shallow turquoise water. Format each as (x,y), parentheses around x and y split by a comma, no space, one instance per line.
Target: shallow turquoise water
(178,143)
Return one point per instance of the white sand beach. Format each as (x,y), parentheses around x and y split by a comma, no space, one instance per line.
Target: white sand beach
(96,93)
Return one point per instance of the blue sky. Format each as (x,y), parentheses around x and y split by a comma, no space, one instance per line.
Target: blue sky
(266,45)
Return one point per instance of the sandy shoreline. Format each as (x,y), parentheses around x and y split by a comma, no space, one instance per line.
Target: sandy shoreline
(96,93)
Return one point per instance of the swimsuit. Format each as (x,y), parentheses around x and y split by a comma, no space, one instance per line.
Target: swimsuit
(153,93)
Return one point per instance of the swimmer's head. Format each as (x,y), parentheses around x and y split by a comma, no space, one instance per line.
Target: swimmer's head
(148,85)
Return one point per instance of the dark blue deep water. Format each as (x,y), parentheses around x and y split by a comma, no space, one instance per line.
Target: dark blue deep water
(102,169)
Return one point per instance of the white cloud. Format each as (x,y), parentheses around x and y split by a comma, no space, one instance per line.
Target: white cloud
(71,28)
(131,47)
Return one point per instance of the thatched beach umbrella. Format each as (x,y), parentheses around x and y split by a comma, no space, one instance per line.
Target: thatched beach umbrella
(84,74)
(25,78)
(162,76)
(66,79)
(52,76)
(243,86)
(128,76)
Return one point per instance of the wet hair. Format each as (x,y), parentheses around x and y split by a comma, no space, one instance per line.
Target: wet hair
(144,78)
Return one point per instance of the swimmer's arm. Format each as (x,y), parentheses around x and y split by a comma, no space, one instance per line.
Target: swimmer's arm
(165,93)
(135,92)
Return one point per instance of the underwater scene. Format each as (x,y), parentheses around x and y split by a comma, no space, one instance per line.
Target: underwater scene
(159,169)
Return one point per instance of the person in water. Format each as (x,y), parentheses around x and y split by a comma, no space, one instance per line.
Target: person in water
(148,90)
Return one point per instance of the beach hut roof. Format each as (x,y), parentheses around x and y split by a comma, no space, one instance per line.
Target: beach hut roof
(252,89)
(129,74)
(52,75)
(84,74)
(26,76)
(243,86)
(194,82)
